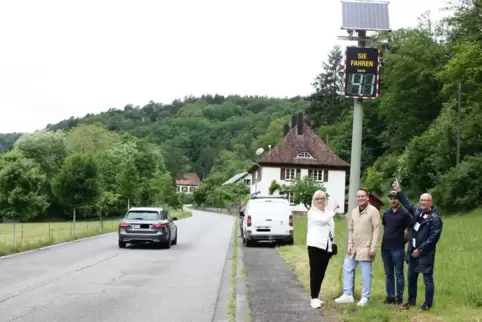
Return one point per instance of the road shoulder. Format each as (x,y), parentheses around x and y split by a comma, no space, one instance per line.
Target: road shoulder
(274,292)
(221,312)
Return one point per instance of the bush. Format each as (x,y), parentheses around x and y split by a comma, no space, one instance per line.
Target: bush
(459,188)
(186,199)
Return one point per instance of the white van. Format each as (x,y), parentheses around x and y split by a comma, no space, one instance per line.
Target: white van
(267,218)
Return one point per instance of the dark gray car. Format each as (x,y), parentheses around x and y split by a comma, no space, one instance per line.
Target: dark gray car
(153,225)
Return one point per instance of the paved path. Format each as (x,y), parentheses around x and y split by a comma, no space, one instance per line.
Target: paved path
(94,280)
(274,293)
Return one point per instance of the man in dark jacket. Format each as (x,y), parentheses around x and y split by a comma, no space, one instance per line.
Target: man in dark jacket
(423,234)
(395,221)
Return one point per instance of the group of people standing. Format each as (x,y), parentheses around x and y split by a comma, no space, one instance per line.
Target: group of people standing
(419,226)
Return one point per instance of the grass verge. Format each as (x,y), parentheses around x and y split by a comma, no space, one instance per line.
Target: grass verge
(457,287)
(234,269)
(30,236)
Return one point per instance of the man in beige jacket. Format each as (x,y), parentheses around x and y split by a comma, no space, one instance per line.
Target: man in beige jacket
(363,243)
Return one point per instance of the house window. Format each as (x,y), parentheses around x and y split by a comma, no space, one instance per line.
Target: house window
(184,189)
(178,189)
(318,175)
(191,189)
(290,174)
(304,155)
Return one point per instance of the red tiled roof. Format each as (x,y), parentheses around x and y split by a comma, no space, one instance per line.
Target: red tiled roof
(293,144)
(189,179)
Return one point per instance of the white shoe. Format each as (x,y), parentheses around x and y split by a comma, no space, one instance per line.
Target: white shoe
(345,299)
(316,303)
(363,301)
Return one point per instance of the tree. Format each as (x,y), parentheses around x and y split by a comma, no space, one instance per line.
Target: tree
(128,180)
(164,190)
(77,183)
(21,183)
(327,104)
(107,203)
(90,138)
(303,190)
(47,149)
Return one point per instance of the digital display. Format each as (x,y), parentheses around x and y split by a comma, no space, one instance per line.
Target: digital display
(361,68)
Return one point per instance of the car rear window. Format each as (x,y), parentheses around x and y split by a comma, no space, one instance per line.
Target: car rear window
(269,207)
(143,215)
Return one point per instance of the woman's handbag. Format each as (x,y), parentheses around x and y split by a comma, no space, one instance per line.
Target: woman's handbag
(334,247)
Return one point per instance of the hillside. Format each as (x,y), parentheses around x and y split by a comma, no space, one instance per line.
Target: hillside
(410,131)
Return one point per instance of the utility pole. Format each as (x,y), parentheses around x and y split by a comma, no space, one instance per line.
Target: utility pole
(356,144)
(459,112)
(362,72)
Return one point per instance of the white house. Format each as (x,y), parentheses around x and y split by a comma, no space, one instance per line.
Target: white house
(240,177)
(301,153)
(188,184)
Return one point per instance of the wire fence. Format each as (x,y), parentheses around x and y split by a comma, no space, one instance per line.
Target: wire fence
(17,234)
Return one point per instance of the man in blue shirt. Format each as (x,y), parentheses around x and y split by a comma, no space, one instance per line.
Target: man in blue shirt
(395,221)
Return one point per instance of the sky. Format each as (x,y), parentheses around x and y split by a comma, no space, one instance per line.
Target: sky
(68,58)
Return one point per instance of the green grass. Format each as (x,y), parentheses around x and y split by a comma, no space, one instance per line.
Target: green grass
(234,269)
(458,287)
(35,235)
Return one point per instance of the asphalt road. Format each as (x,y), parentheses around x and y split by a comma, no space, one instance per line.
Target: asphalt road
(94,280)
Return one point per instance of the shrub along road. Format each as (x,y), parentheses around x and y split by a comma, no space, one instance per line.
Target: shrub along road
(94,280)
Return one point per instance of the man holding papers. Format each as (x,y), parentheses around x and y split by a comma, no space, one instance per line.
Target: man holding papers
(423,234)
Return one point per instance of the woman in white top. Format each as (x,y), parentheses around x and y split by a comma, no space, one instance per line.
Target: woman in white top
(320,227)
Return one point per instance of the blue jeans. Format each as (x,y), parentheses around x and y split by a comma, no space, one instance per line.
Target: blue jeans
(393,260)
(349,267)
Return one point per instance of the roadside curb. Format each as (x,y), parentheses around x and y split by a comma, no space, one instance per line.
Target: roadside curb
(242,304)
(221,313)
(56,245)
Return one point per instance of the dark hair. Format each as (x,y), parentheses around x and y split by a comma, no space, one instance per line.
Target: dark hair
(366,191)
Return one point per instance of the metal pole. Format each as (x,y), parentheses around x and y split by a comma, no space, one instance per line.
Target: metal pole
(356,143)
(458,123)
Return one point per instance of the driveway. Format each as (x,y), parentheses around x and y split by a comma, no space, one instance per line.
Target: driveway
(94,280)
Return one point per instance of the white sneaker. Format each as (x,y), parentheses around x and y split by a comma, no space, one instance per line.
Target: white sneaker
(316,303)
(345,299)
(363,301)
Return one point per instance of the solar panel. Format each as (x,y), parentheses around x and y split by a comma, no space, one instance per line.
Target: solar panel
(371,16)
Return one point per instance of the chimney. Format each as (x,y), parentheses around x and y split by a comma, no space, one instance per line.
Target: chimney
(286,129)
(293,121)
(300,123)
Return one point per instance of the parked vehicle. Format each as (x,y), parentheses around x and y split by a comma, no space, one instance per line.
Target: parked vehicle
(267,218)
(148,225)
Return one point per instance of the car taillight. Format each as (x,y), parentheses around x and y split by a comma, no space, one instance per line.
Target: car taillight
(249,221)
(291,220)
(124,225)
(159,226)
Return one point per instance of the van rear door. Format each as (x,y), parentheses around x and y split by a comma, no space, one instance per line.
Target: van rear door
(270,216)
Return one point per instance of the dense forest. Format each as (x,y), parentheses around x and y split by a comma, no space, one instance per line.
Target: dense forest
(134,154)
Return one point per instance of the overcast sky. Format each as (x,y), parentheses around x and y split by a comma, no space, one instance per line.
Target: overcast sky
(69,58)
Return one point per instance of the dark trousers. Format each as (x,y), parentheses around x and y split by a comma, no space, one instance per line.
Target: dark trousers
(319,259)
(241,218)
(412,287)
(393,261)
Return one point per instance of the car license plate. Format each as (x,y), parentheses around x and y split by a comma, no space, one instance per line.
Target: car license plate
(263,227)
(136,226)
